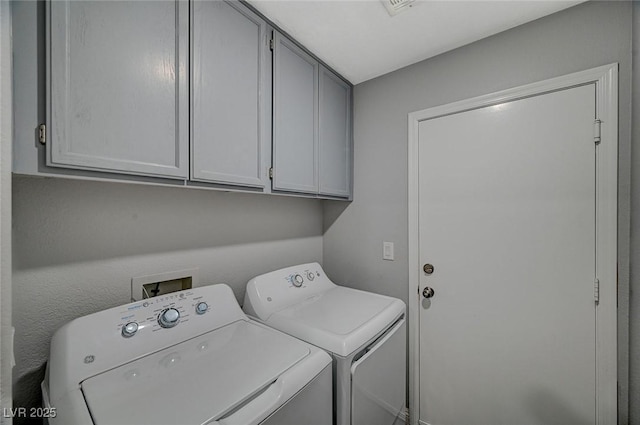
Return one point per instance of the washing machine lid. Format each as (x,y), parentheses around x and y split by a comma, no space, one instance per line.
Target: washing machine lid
(340,320)
(196,381)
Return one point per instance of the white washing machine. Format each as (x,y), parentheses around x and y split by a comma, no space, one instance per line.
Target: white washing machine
(364,332)
(190,357)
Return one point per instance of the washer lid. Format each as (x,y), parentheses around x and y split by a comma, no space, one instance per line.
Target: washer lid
(339,320)
(196,381)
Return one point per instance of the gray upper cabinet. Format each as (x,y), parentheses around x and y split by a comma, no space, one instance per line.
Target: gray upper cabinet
(334,135)
(312,145)
(205,93)
(295,118)
(230,95)
(117,86)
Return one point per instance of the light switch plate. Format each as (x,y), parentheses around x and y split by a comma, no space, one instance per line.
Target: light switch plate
(387,251)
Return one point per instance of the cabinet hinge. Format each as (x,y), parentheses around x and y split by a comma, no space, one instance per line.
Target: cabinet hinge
(271,43)
(271,173)
(597,131)
(42,133)
(596,290)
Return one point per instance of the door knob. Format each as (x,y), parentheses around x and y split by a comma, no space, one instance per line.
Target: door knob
(428,292)
(428,268)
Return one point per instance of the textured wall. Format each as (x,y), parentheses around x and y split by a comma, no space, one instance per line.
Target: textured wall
(77,244)
(585,36)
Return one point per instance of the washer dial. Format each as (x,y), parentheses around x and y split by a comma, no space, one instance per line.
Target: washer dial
(202,307)
(311,276)
(169,317)
(129,329)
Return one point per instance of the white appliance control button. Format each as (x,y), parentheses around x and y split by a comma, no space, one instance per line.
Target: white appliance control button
(297,281)
(202,307)
(169,317)
(129,329)
(310,276)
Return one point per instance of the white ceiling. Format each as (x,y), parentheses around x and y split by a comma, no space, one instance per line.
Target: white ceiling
(361,41)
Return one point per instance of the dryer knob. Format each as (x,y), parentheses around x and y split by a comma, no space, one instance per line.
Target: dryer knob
(297,281)
(169,318)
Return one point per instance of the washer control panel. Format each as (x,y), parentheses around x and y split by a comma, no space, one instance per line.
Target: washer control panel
(110,338)
(161,313)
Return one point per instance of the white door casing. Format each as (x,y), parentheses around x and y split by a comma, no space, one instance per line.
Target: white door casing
(6,148)
(604,81)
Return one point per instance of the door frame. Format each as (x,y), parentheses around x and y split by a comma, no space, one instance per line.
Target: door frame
(6,149)
(605,79)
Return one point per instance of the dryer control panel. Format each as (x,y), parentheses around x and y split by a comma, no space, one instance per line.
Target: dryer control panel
(302,277)
(282,288)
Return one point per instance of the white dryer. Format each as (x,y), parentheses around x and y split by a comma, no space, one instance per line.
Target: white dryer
(190,357)
(364,332)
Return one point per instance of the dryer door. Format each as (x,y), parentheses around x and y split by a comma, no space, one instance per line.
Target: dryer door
(378,380)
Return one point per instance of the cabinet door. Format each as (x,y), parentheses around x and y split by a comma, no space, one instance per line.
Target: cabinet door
(295,135)
(117,86)
(229,95)
(334,135)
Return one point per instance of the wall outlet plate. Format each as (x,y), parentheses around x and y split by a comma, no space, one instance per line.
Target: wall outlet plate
(163,283)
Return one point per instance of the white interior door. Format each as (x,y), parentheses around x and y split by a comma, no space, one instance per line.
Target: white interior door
(507,217)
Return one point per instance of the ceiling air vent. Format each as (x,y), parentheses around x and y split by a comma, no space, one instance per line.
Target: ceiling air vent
(396,6)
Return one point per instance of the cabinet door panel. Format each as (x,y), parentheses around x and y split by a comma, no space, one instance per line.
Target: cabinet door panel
(295,118)
(117,86)
(334,135)
(229,94)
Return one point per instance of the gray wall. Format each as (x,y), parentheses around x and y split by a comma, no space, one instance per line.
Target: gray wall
(585,36)
(77,244)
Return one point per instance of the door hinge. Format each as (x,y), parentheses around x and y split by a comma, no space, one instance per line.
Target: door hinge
(271,173)
(271,43)
(596,290)
(597,131)
(42,133)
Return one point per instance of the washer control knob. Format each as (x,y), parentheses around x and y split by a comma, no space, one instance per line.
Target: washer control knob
(129,329)
(311,276)
(202,307)
(169,317)
(297,281)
